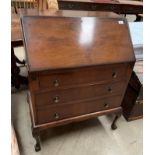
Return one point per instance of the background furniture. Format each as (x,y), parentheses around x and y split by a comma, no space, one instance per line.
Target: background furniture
(27,4)
(74,72)
(133,100)
(117,6)
(16,41)
(40,4)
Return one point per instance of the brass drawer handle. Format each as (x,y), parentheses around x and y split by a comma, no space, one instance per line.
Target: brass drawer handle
(56,83)
(56,99)
(106,105)
(114,74)
(56,116)
(110,89)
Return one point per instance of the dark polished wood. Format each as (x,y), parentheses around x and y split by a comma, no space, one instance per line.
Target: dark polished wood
(118,6)
(43,126)
(85,44)
(84,93)
(56,112)
(76,69)
(61,79)
(133,99)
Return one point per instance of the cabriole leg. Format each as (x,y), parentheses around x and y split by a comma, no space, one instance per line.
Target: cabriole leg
(36,136)
(113,125)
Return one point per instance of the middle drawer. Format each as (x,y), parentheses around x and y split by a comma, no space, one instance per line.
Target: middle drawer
(77,94)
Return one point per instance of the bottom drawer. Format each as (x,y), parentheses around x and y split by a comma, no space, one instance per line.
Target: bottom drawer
(59,112)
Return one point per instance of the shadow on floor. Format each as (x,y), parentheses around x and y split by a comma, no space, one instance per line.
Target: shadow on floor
(70,128)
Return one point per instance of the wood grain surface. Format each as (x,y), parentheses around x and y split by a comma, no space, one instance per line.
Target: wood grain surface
(56,42)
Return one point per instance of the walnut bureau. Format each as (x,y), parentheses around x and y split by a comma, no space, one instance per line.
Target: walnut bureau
(78,68)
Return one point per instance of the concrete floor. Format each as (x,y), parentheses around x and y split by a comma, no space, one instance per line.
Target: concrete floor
(93,137)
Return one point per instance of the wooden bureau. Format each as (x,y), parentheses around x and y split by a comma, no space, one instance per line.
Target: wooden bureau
(79,68)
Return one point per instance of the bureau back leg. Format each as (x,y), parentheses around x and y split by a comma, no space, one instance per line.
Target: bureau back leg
(113,125)
(36,136)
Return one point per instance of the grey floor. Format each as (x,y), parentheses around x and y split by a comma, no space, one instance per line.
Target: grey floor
(93,137)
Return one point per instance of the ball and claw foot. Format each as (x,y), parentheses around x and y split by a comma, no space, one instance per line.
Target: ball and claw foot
(37,138)
(37,147)
(113,127)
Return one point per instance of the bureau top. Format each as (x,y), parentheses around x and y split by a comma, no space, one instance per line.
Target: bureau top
(70,42)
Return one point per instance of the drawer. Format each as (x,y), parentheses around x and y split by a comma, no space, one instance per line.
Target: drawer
(79,93)
(74,77)
(59,112)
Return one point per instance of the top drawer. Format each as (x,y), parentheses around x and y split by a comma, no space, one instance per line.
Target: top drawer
(74,77)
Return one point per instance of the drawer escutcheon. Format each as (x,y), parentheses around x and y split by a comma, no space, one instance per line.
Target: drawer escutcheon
(56,99)
(114,74)
(56,83)
(106,105)
(110,89)
(56,116)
